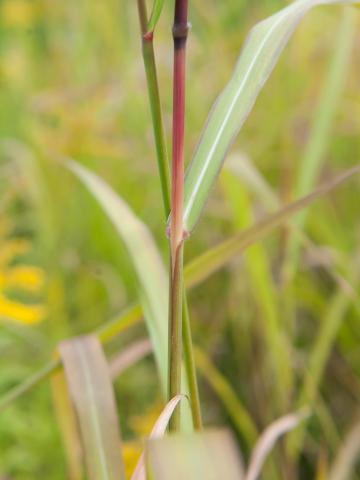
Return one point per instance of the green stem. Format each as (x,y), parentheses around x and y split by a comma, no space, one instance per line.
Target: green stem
(176,237)
(155,107)
(175,332)
(190,367)
(163,165)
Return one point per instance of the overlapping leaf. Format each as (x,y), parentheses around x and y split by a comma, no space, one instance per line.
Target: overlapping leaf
(204,455)
(257,60)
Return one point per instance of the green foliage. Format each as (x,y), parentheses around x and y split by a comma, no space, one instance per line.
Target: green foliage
(72,83)
(260,55)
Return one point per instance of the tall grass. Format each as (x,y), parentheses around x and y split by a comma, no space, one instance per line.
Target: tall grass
(96,267)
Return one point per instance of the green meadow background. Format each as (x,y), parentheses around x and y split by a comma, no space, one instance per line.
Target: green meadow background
(72,83)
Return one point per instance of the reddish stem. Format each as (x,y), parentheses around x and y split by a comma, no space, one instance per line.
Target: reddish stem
(180,31)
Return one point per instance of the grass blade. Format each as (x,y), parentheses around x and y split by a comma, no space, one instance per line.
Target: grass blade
(278,363)
(268,439)
(262,49)
(319,355)
(157,432)
(207,455)
(155,15)
(93,398)
(196,271)
(235,409)
(146,260)
(315,150)
(215,258)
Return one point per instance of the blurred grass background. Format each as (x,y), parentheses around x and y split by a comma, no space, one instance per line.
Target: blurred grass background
(72,82)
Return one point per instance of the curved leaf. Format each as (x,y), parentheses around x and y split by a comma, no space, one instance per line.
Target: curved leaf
(158,431)
(257,60)
(268,439)
(145,257)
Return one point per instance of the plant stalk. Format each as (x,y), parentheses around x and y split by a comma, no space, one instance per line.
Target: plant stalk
(155,106)
(180,31)
(163,164)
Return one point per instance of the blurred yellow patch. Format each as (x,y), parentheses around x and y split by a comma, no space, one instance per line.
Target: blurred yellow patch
(19,13)
(131,454)
(18,277)
(21,313)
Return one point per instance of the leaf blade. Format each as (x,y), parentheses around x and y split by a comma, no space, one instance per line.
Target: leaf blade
(216,257)
(93,398)
(145,257)
(262,49)
(157,431)
(209,454)
(155,15)
(268,439)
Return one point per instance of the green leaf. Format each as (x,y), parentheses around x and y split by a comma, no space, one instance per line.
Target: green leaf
(148,265)
(206,455)
(324,115)
(155,14)
(257,60)
(196,271)
(91,391)
(260,280)
(210,261)
(240,417)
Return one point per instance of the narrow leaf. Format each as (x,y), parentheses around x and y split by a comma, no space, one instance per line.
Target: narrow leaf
(157,432)
(66,420)
(155,14)
(257,60)
(145,257)
(92,395)
(235,409)
(207,455)
(213,259)
(320,134)
(268,439)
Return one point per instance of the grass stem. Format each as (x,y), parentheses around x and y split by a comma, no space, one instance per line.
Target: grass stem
(163,165)
(155,107)
(180,30)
